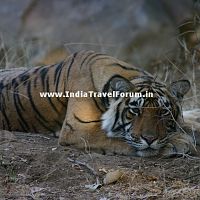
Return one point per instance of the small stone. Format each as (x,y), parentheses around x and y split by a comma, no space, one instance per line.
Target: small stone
(112,177)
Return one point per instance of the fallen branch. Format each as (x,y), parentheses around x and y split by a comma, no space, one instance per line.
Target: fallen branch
(92,170)
(189,177)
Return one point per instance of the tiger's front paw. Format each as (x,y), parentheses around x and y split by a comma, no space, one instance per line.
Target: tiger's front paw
(171,150)
(179,145)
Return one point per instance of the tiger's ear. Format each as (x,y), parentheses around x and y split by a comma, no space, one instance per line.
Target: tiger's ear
(119,83)
(116,83)
(180,88)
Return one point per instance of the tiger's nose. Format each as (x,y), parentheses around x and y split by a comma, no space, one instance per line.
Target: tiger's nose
(149,139)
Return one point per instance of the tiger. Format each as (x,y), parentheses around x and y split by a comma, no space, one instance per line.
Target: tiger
(124,125)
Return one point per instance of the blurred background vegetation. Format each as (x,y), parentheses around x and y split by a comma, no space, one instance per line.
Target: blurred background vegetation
(162,36)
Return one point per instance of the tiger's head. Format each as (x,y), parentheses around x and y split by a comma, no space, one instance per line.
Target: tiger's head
(144,122)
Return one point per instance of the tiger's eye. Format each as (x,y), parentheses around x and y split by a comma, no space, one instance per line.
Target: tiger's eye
(135,110)
(129,114)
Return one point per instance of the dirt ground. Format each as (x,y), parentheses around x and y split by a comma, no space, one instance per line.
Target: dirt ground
(35,167)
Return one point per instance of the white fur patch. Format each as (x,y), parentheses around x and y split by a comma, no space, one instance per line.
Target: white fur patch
(192,115)
(108,118)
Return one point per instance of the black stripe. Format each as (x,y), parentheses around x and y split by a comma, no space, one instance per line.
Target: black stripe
(8,89)
(139,90)
(86,122)
(32,103)
(49,98)
(86,57)
(105,89)
(70,126)
(92,78)
(126,68)
(97,105)
(121,127)
(57,75)
(145,77)
(116,116)
(37,69)
(94,55)
(35,82)
(1,86)
(124,115)
(121,66)
(97,59)
(43,73)
(64,104)
(6,119)
(4,112)
(70,65)
(147,82)
(14,83)
(19,101)
(146,88)
(57,82)
(23,123)
(42,123)
(24,78)
(160,92)
(4,80)
(57,71)
(22,126)
(158,84)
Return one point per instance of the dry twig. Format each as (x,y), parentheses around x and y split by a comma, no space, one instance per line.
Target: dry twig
(92,170)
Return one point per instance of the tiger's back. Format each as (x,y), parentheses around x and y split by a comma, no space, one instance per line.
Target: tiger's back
(23,109)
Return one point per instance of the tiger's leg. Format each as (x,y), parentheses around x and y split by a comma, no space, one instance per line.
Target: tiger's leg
(178,144)
(91,137)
